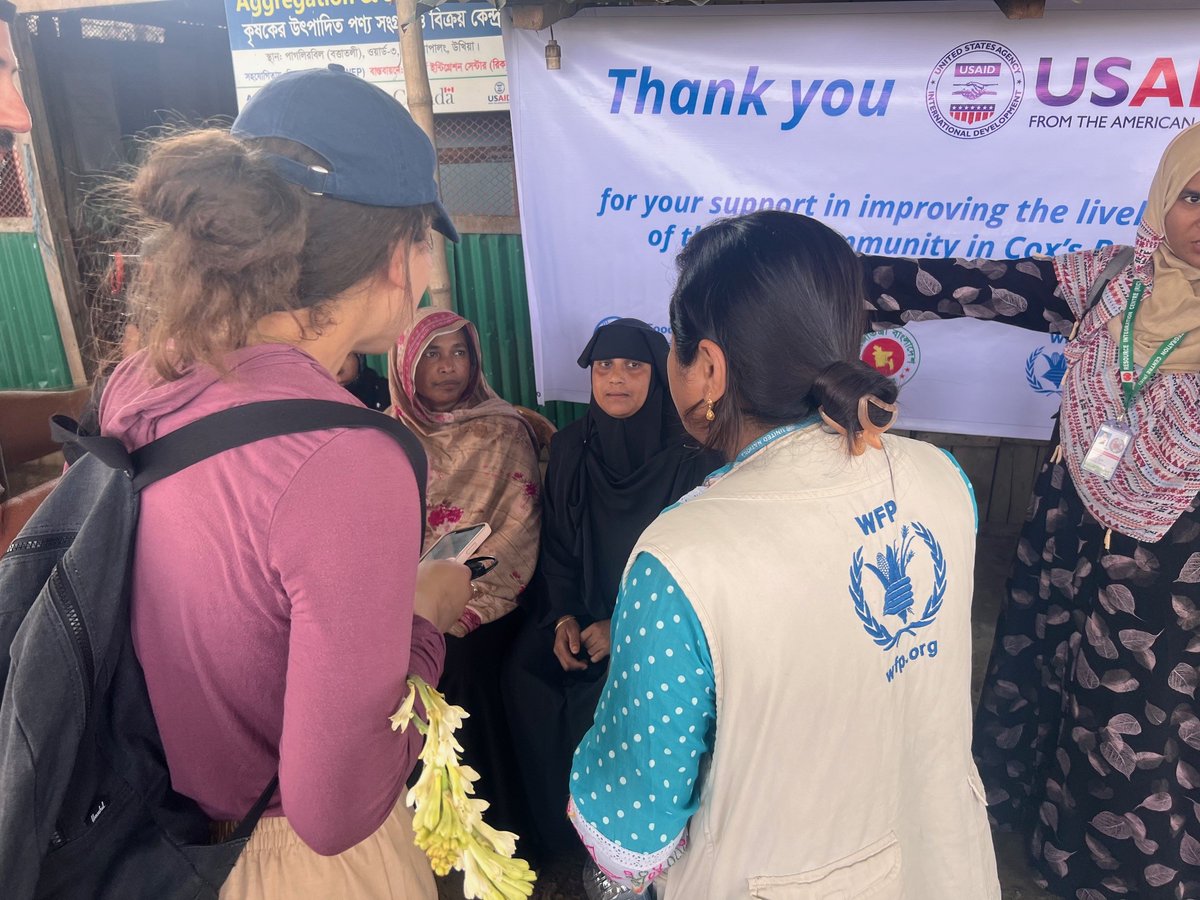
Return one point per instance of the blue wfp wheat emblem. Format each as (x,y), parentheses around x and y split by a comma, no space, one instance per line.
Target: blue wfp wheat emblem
(1054,368)
(891,570)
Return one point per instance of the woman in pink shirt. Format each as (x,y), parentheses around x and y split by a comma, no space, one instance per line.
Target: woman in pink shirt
(277,608)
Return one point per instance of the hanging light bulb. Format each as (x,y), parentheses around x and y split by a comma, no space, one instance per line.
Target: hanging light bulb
(553,52)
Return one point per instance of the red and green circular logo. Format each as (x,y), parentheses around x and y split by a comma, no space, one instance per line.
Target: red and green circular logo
(892,352)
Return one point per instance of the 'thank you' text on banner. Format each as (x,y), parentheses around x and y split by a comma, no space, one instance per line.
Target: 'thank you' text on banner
(921,134)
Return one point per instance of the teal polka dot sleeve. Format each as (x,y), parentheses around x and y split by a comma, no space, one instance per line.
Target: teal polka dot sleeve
(635,778)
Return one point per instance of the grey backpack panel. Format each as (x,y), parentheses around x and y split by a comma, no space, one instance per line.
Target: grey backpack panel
(57,658)
(88,812)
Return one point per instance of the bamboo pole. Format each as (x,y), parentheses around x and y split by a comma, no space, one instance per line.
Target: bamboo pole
(420,105)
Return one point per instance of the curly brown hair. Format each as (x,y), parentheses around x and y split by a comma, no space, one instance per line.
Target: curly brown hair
(223,241)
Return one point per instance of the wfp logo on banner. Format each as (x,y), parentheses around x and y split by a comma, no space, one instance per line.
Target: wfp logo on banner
(608,320)
(1044,371)
(975,89)
(893,352)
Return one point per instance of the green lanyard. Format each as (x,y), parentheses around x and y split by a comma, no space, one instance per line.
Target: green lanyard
(1129,385)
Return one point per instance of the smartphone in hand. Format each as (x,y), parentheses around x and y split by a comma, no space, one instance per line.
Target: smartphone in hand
(460,544)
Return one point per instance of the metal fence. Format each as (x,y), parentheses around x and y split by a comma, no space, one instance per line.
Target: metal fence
(48,24)
(14,200)
(110,30)
(475,163)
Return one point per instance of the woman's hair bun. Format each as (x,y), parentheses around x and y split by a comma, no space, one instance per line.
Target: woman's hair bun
(224,241)
(225,197)
(840,388)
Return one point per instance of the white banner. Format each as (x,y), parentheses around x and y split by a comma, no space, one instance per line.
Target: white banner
(913,133)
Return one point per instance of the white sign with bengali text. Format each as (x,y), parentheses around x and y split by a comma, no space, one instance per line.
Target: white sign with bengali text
(464,52)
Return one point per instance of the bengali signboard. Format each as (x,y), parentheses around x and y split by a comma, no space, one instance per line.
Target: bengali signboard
(463,48)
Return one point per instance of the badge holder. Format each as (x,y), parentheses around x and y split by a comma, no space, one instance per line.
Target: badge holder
(1113,439)
(1111,443)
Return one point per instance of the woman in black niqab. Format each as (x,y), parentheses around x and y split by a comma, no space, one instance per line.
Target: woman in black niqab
(609,476)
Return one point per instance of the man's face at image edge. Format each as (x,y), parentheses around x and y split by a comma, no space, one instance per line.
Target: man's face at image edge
(14,115)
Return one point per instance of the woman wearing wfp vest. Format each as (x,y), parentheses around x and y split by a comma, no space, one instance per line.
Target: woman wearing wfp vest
(1087,734)
(787,711)
(275,633)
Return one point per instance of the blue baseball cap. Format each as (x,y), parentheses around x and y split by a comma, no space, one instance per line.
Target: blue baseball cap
(377,154)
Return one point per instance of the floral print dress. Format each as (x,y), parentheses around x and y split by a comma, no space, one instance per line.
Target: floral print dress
(1087,735)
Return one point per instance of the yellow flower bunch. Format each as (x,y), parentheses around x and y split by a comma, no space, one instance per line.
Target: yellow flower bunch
(447,820)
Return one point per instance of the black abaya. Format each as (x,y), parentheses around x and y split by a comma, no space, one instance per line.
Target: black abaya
(607,480)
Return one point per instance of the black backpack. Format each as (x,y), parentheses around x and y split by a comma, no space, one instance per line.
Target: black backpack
(86,805)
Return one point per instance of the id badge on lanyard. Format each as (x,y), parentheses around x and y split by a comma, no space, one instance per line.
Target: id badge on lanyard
(1114,438)
(1109,446)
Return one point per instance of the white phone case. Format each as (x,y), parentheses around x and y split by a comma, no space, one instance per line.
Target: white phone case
(468,551)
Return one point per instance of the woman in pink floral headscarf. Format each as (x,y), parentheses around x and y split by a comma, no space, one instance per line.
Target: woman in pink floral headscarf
(483,467)
(483,464)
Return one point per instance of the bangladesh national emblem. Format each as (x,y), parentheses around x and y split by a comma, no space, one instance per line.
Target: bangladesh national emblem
(1044,371)
(892,352)
(894,583)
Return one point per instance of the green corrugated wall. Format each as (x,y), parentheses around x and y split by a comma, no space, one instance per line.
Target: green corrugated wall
(487,276)
(31,350)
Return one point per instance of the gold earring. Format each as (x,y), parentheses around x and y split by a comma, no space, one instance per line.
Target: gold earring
(710,415)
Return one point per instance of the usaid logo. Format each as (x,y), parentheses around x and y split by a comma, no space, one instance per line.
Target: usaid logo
(499,93)
(975,89)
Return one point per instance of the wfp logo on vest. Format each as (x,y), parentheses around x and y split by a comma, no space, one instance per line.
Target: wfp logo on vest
(975,89)
(1044,371)
(892,352)
(896,576)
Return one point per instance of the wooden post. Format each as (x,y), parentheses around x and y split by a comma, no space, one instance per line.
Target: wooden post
(54,231)
(535,18)
(420,105)
(1022,9)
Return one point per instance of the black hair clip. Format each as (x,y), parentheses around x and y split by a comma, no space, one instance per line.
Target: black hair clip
(480,565)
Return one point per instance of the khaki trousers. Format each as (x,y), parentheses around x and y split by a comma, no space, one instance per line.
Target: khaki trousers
(278,865)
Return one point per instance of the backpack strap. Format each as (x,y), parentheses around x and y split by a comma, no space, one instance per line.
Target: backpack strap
(246,826)
(1116,265)
(237,427)
(77,442)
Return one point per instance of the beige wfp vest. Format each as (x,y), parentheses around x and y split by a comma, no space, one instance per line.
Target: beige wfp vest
(842,766)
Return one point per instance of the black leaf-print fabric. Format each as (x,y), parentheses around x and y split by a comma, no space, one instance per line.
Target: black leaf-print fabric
(1087,735)
(1020,292)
